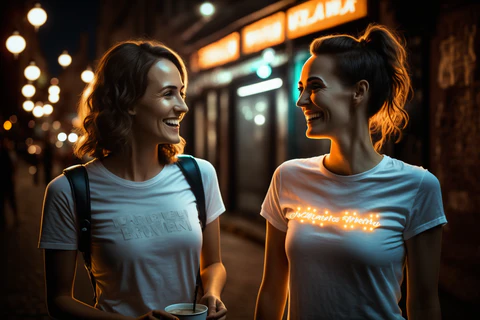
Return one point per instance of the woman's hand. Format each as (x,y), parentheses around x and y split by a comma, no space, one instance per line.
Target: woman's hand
(157,315)
(216,308)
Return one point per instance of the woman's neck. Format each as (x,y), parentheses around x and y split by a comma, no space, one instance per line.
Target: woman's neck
(352,157)
(135,164)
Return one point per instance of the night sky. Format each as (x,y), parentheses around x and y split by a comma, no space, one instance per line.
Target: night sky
(66,21)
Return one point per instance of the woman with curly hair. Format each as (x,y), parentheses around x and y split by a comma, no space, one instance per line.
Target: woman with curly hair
(341,227)
(146,240)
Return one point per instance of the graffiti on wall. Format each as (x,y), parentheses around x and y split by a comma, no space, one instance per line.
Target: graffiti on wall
(457,58)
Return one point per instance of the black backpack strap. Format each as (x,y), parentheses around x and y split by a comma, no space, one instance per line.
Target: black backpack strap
(78,178)
(189,167)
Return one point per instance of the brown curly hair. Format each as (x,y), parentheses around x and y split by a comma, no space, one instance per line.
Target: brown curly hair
(120,81)
(378,56)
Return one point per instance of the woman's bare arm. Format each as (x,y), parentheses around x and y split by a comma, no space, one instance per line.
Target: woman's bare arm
(213,272)
(423,266)
(60,268)
(273,292)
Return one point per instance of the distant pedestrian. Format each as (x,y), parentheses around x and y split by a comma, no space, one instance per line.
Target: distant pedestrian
(47,157)
(7,183)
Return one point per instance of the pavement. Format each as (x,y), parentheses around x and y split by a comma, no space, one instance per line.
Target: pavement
(22,277)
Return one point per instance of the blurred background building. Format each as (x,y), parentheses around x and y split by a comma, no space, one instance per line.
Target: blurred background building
(244,60)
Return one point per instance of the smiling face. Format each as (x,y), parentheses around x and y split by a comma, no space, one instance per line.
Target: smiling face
(324,100)
(158,113)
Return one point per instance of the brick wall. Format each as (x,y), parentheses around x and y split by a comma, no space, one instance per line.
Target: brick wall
(454,145)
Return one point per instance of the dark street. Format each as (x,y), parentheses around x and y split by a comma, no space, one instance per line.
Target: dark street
(341,107)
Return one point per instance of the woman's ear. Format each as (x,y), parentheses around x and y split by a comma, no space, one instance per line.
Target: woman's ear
(361,91)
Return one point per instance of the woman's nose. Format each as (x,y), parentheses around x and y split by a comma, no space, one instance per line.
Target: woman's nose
(303,100)
(181,106)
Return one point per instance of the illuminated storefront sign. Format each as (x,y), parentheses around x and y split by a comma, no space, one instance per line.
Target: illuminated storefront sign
(316,15)
(220,52)
(264,33)
(347,220)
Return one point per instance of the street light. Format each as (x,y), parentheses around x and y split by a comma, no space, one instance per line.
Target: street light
(62,136)
(28,105)
(207,9)
(37,16)
(28,91)
(87,75)
(15,43)
(38,111)
(54,89)
(32,72)
(47,109)
(53,98)
(72,137)
(64,59)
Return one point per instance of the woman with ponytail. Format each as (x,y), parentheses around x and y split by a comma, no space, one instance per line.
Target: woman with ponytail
(341,227)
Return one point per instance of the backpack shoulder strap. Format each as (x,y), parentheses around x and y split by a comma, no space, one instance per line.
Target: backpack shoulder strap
(189,167)
(78,178)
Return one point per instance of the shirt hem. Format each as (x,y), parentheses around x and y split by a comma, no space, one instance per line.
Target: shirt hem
(214,216)
(57,246)
(424,227)
(273,222)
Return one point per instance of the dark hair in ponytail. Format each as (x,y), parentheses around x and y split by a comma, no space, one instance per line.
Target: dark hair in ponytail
(379,57)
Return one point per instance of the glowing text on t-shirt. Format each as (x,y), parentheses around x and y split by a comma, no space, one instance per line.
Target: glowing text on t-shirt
(349,220)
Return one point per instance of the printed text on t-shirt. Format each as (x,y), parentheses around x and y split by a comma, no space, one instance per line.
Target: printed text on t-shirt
(152,225)
(348,219)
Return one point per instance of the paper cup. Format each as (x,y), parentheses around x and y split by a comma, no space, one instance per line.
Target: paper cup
(183,311)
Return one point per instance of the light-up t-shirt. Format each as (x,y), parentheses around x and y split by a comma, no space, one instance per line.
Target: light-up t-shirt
(345,235)
(146,236)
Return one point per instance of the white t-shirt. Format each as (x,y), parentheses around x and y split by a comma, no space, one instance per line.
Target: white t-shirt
(345,235)
(146,236)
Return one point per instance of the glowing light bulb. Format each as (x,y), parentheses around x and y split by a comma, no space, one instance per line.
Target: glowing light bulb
(16,43)
(65,59)
(28,91)
(28,105)
(37,16)
(7,125)
(62,136)
(207,9)
(53,98)
(47,109)
(54,90)
(32,72)
(72,137)
(87,75)
(38,111)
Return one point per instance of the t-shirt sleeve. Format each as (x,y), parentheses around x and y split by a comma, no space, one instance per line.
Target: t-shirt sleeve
(271,208)
(213,197)
(58,225)
(427,211)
